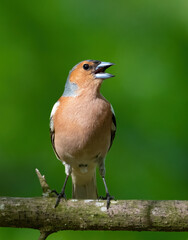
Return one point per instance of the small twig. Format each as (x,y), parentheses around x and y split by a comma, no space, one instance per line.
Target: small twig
(44,235)
(46,191)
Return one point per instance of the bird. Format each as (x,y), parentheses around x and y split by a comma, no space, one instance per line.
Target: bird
(82,129)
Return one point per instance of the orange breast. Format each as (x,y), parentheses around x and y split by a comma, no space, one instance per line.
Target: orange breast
(82,127)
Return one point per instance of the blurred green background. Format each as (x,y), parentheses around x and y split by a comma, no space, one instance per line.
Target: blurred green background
(40,41)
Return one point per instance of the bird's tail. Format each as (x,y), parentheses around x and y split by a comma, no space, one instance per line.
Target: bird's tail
(84,185)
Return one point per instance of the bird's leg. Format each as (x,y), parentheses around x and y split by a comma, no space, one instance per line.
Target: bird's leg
(62,193)
(102,171)
(108,197)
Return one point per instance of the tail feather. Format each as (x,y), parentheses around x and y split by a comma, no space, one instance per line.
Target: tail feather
(84,187)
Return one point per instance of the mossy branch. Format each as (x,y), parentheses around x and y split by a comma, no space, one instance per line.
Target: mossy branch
(133,215)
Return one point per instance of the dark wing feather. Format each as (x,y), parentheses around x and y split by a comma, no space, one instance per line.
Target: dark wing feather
(113,129)
(52,135)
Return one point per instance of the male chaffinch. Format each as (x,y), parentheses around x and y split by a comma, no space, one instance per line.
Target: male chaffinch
(82,127)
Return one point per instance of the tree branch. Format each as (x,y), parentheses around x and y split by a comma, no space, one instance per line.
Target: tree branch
(135,215)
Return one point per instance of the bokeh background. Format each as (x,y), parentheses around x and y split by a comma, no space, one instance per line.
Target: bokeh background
(40,41)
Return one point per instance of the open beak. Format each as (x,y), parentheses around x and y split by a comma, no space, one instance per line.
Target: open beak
(100,70)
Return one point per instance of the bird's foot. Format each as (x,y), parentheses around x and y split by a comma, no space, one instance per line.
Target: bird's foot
(59,196)
(108,197)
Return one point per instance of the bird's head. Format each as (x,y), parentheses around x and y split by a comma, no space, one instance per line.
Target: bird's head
(89,71)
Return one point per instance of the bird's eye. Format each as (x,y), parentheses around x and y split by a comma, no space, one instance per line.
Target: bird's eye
(86,66)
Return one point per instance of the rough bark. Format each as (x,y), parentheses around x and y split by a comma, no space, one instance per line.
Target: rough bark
(134,215)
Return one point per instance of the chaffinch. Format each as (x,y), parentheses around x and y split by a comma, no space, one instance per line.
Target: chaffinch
(82,127)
